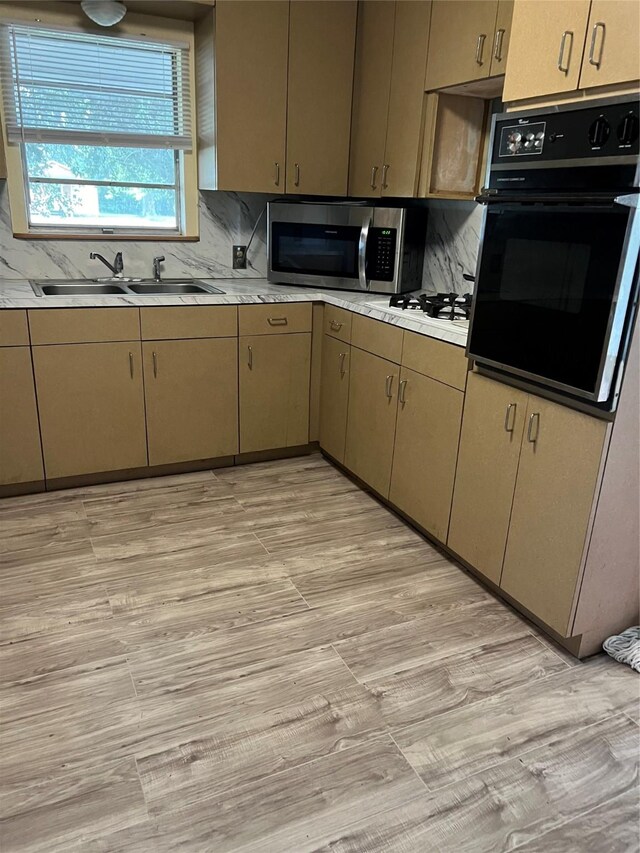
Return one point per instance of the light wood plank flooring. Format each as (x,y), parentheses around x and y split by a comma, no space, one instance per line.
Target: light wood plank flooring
(264,658)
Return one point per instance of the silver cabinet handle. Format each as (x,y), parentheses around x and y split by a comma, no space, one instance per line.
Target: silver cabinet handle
(385,169)
(131,364)
(374,172)
(497,48)
(563,42)
(341,358)
(594,35)
(335,325)
(388,386)
(511,409)
(534,419)
(480,47)
(277,321)
(277,178)
(296,179)
(250,362)
(402,391)
(155,363)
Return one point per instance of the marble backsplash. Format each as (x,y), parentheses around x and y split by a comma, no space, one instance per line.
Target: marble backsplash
(226,218)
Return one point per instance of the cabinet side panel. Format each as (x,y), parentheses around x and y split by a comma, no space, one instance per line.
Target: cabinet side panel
(610,592)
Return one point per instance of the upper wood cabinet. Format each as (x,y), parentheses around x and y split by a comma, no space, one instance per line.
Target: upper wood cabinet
(554,495)
(464,44)
(388,97)
(20,450)
(320,84)
(191,396)
(242,95)
(612,51)
(91,404)
(545,51)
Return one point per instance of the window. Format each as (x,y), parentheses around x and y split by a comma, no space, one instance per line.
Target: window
(102,123)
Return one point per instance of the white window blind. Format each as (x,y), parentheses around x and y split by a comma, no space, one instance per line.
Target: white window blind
(68,87)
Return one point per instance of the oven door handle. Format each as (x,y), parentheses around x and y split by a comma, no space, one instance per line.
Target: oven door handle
(631,200)
(362,254)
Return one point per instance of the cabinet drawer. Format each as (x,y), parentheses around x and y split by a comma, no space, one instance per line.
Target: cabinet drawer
(278,318)
(84,325)
(377,337)
(14,331)
(337,323)
(442,361)
(191,321)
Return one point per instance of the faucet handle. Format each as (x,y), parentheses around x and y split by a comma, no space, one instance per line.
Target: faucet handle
(156,266)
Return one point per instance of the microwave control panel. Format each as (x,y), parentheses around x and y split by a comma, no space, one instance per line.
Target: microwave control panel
(381,253)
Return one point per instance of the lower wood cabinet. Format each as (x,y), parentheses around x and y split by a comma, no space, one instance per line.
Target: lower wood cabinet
(20,451)
(524,492)
(334,396)
(371,427)
(554,494)
(492,428)
(91,403)
(274,373)
(426,446)
(191,393)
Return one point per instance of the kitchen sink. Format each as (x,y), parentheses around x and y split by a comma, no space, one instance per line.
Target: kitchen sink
(121,287)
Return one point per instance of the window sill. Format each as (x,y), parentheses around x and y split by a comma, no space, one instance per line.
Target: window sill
(121,238)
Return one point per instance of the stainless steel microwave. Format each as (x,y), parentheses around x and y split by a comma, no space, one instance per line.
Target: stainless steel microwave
(346,246)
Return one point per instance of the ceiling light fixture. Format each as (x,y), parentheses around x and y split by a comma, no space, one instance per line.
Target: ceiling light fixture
(106,13)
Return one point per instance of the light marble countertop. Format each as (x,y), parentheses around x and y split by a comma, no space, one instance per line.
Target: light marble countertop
(17,293)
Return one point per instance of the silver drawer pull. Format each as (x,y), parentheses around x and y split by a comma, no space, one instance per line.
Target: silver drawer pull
(335,325)
(497,49)
(277,177)
(510,422)
(296,179)
(534,419)
(341,358)
(480,48)
(277,321)
(563,42)
(402,391)
(131,364)
(594,35)
(385,169)
(250,362)
(155,363)
(388,386)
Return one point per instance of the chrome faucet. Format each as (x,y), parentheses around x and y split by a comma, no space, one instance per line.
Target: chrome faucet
(156,267)
(117,267)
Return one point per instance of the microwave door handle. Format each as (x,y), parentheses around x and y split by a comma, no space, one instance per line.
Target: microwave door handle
(362,254)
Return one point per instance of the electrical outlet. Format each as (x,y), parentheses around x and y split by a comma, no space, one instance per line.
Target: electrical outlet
(239,257)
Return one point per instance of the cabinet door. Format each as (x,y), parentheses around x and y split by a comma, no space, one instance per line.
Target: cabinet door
(321,55)
(492,427)
(371,86)
(334,396)
(274,391)
(460,42)
(426,447)
(545,49)
(91,406)
(371,422)
(612,51)
(20,451)
(402,149)
(191,394)
(557,478)
(251,84)
(501,38)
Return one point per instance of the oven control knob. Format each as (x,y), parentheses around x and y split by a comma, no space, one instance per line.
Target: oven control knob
(628,129)
(599,132)
(514,141)
(529,140)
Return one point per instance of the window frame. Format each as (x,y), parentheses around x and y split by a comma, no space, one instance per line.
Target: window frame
(187,209)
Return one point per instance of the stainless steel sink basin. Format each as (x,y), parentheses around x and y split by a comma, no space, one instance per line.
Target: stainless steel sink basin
(79,289)
(121,287)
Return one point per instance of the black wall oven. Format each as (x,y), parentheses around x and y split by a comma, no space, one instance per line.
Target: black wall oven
(557,277)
